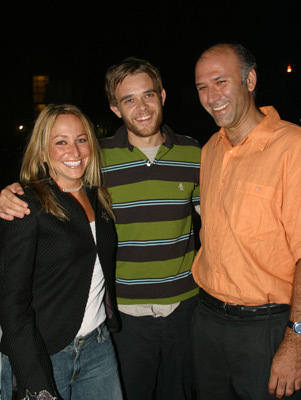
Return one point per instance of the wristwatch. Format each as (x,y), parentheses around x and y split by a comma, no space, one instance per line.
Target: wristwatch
(295,326)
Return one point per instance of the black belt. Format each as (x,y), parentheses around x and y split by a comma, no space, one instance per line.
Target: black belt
(242,311)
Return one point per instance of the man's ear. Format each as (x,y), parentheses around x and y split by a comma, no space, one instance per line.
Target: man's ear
(252,80)
(163,96)
(115,110)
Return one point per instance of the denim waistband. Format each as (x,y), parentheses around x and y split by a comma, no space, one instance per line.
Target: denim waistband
(84,339)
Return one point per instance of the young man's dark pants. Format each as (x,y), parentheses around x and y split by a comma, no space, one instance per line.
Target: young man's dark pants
(155,355)
(233,354)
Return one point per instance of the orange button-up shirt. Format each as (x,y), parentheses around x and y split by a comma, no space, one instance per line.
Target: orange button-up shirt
(251,214)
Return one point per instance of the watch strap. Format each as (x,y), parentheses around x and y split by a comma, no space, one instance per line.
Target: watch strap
(295,326)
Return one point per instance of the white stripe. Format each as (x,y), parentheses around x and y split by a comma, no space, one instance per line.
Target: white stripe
(177,163)
(118,167)
(123,166)
(139,243)
(153,280)
(144,203)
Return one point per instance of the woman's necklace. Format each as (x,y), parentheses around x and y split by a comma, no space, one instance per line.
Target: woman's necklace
(73,190)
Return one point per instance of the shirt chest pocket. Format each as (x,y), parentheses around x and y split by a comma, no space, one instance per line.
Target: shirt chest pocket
(256,210)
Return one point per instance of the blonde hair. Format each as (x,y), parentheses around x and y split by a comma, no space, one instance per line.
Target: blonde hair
(34,170)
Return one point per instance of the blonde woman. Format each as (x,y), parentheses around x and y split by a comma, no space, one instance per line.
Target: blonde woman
(57,269)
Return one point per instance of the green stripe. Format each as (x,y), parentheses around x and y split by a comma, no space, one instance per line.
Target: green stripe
(159,269)
(152,189)
(181,153)
(166,300)
(154,230)
(177,153)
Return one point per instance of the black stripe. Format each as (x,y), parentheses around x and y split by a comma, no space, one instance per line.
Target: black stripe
(156,291)
(147,213)
(154,172)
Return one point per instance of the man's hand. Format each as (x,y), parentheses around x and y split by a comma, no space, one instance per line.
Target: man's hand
(285,377)
(10,205)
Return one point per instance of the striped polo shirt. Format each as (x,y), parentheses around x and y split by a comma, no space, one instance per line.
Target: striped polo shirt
(153,204)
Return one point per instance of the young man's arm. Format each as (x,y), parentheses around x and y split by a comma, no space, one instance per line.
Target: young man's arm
(10,205)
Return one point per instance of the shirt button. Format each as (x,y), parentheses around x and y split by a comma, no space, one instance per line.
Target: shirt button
(148,163)
(219,210)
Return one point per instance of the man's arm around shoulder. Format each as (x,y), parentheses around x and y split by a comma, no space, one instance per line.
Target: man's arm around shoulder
(10,205)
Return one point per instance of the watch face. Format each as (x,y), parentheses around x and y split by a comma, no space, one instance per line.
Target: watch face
(297,327)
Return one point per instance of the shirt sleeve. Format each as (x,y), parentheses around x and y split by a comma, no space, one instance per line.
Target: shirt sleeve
(291,210)
(21,340)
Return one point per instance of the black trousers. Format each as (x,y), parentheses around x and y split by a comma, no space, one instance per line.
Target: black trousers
(155,355)
(233,355)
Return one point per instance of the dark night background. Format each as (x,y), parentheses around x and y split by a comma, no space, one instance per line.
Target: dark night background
(75,43)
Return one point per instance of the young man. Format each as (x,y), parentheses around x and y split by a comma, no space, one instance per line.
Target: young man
(153,179)
(248,267)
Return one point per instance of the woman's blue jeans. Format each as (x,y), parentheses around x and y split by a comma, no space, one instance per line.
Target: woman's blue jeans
(85,369)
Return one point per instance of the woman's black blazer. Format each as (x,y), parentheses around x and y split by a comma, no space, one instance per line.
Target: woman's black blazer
(46,267)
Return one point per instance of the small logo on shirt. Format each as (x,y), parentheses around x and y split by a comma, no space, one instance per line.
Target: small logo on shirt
(181,187)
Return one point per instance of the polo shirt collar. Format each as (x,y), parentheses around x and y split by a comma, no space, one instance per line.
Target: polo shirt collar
(121,137)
